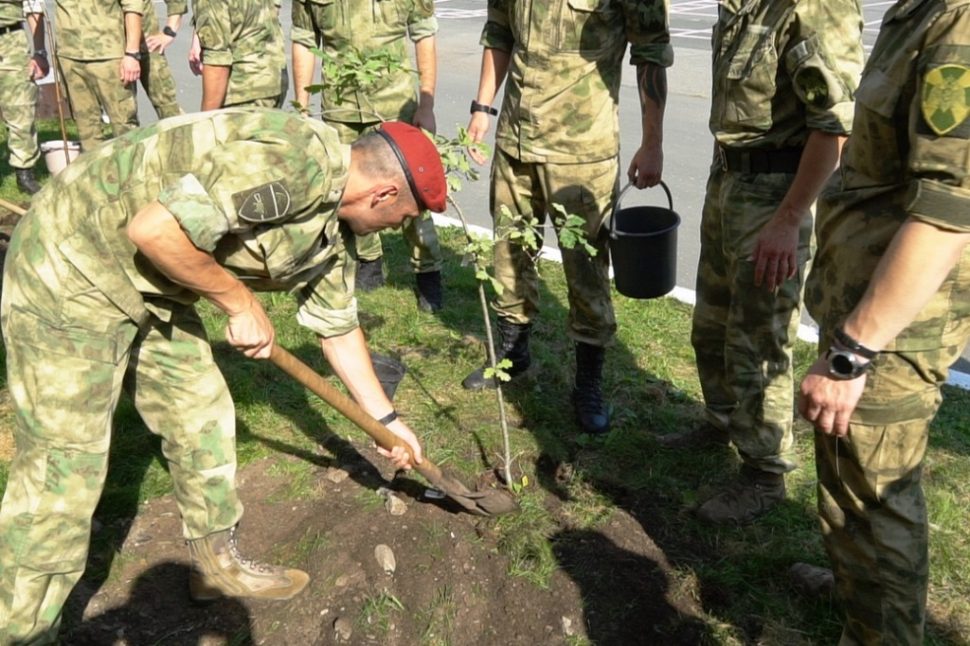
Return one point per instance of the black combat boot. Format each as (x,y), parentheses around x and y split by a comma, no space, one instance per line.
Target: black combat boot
(514,347)
(592,413)
(370,274)
(428,288)
(26,180)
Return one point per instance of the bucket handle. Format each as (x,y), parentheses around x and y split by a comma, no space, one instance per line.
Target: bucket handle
(619,198)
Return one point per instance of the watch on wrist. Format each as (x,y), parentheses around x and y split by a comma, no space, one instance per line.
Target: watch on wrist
(40,52)
(481,107)
(168,31)
(135,55)
(845,365)
(849,343)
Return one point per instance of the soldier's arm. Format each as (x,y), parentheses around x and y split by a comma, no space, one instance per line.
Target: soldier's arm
(157,234)
(425,55)
(304,64)
(38,66)
(173,22)
(130,68)
(646,167)
(215,83)
(495,65)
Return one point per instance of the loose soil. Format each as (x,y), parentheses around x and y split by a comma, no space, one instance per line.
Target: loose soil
(451,584)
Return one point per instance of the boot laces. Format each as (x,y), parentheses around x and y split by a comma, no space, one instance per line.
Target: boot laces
(233,543)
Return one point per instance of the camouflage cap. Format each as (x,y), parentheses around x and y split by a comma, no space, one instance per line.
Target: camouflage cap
(421,163)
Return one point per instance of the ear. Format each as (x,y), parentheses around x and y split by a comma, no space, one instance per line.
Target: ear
(385,193)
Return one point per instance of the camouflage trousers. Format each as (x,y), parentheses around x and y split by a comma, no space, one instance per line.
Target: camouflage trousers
(93,86)
(528,189)
(743,335)
(275,101)
(870,497)
(419,233)
(70,353)
(159,84)
(18,100)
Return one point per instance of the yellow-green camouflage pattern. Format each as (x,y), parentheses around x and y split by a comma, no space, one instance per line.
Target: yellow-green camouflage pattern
(18,95)
(894,167)
(93,86)
(14,11)
(92,30)
(782,67)
(337,25)
(156,76)
(563,84)
(246,36)
(528,189)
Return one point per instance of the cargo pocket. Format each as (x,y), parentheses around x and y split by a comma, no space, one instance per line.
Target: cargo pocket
(753,68)
(587,25)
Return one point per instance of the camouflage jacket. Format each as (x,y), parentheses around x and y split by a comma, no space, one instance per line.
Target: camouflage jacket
(245,35)
(256,188)
(563,83)
(337,26)
(907,157)
(782,67)
(150,19)
(92,30)
(13,11)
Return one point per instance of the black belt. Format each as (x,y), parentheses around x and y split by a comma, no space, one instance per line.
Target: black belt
(740,160)
(10,28)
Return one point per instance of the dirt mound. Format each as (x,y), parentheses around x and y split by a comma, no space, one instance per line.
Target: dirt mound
(450,584)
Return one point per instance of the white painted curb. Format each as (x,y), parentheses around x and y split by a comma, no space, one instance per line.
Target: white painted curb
(805,332)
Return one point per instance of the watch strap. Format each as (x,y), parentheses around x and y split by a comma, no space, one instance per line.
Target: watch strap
(851,344)
(168,31)
(481,107)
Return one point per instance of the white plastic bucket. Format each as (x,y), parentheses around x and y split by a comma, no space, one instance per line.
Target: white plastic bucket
(54,154)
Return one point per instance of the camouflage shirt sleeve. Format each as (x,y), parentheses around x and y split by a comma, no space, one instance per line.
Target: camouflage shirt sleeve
(176,7)
(327,305)
(212,25)
(939,134)
(33,6)
(421,20)
(497,33)
(824,61)
(302,32)
(133,6)
(648,31)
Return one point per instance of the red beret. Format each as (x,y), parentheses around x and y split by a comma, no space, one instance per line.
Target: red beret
(421,163)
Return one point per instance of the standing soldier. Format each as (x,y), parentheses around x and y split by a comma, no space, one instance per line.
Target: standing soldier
(18,91)
(890,289)
(101,278)
(784,77)
(368,25)
(99,53)
(242,55)
(156,75)
(557,141)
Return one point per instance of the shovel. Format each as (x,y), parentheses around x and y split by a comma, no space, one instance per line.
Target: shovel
(492,502)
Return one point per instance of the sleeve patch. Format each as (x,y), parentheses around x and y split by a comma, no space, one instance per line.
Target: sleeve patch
(945,101)
(266,203)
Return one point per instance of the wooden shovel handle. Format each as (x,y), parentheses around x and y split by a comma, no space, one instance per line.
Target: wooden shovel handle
(13,208)
(344,404)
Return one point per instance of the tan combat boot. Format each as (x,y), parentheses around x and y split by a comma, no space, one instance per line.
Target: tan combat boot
(219,570)
(751,495)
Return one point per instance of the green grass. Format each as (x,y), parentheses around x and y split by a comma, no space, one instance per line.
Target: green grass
(574,486)
(47,130)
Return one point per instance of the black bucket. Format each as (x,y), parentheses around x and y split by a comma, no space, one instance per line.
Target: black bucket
(643,248)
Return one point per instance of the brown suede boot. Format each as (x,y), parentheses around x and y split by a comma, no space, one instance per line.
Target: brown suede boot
(218,570)
(751,495)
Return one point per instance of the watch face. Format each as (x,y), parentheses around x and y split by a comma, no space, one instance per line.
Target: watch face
(842,365)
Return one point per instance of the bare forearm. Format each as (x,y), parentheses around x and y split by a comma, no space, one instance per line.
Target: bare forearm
(35,22)
(495,65)
(347,354)
(819,160)
(132,31)
(215,81)
(304,63)
(159,237)
(425,54)
(652,88)
(908,275)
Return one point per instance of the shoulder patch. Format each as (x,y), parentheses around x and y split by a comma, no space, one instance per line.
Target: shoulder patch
(945,101)
(266,203)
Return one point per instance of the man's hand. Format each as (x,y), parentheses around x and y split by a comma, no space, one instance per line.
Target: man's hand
(250,330)
(424,118)
(399,457)
(828,403)
(646,167)
(776,252)
(158,42)
(38,67)
(478,127)
(195,55)
(129,70)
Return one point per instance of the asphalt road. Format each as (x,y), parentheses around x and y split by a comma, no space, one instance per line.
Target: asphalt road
(687,141)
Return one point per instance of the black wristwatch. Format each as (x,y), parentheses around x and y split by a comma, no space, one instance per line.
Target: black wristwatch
(481,107)
(168,31)
(845,365)
(135,55)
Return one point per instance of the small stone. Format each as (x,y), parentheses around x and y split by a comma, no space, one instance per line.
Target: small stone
(395,506)
(335,475)
(385,558)
(567,627)
(343,628)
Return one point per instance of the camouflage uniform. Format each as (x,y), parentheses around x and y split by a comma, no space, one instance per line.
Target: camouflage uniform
(780,69)
(90,45)
(557,137)
(907,158)
(18,94)
(156,76)
(246,36)
(80,309)
(337,25)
